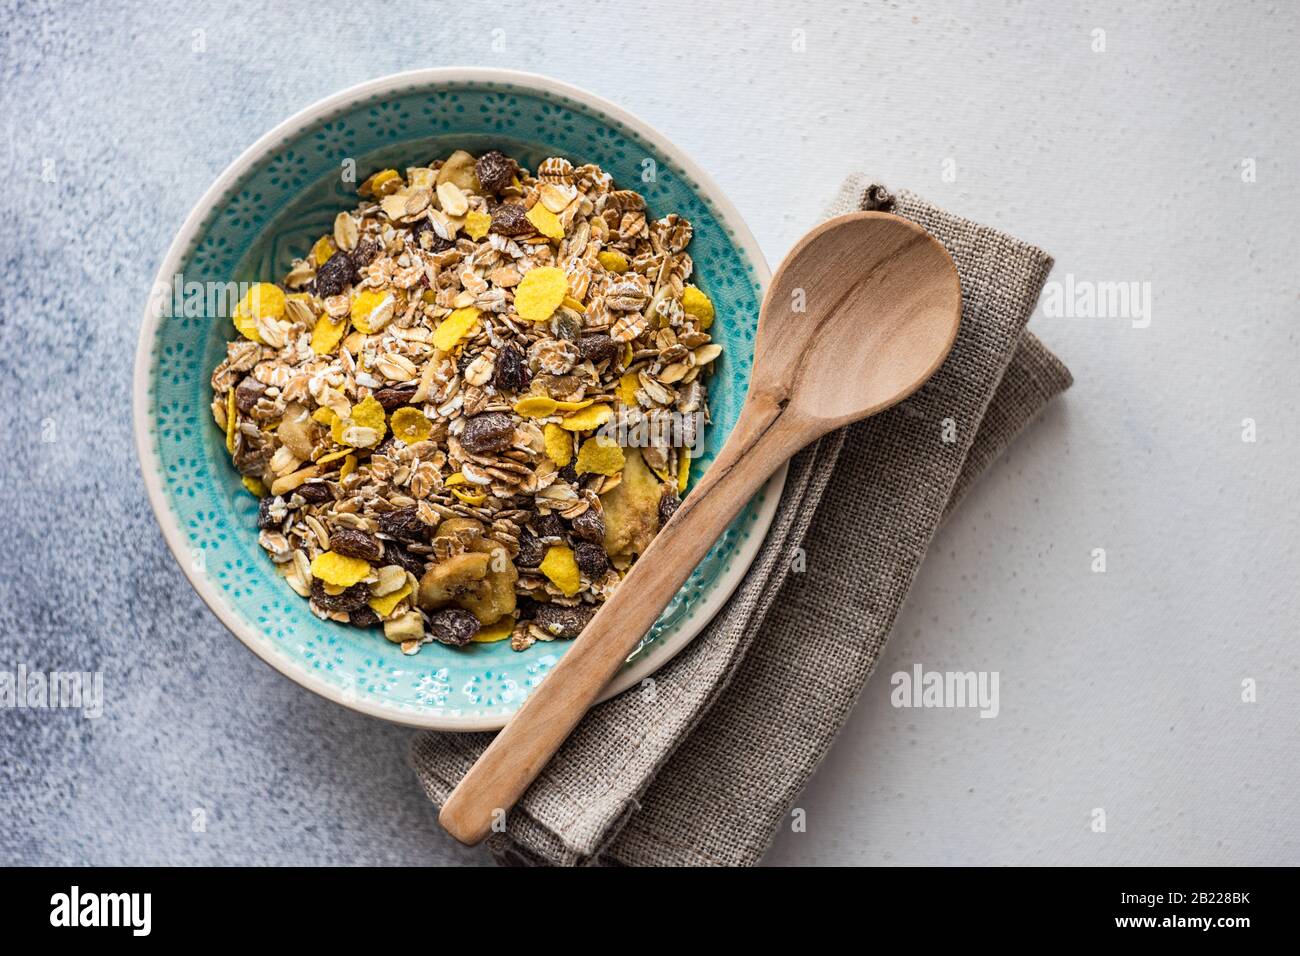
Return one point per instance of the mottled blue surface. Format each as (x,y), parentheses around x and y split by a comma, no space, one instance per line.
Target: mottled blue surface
(114,126)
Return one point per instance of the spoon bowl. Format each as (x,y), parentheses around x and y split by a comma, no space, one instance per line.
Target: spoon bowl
(862,311)
(858,316)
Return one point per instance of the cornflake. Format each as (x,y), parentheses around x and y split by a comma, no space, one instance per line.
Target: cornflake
(547,223)
(411,425)
(696,303)
(600,455)
(559,444)
(327,334)
(339,570)
(457,326)
(562,568)
(262,302)
(540,293)
(587,419)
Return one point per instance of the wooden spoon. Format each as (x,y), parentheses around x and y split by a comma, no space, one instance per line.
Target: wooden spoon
(860,314)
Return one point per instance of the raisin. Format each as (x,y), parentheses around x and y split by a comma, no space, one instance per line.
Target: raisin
(512,370)
(348,600)
(591,558)
(395,554)
(511,219)
(589,526)
(569,473)
(668,505)
(434,243)
(264,519)
(526,607)
(549,526)
(531,550)
(453,625)
(395,396)
(363,616)
(247,394)
(488,432)
(352,543)
(404,524)
(315,492)
(364,254)
(565,622)
(494,170)
(598,348)
(385,447)
(335,275)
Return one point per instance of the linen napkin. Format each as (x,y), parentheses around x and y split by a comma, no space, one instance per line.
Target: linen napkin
(703,771)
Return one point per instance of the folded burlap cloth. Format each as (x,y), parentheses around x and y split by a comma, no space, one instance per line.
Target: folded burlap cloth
(707,768)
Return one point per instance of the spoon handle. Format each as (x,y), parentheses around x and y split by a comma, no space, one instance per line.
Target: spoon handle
(763,438)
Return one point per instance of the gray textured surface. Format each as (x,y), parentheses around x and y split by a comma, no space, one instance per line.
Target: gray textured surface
(1119,690)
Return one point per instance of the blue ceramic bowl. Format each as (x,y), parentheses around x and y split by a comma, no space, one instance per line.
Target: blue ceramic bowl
(269,207)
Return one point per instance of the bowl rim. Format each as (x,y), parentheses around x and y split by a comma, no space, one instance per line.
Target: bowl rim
(149,462)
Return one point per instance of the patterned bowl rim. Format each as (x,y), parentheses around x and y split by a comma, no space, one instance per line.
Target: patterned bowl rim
(263,149)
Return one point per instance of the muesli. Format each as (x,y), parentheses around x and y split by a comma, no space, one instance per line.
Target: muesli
(434,405)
